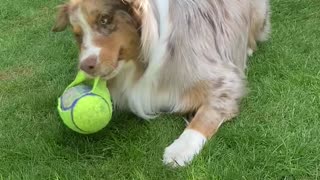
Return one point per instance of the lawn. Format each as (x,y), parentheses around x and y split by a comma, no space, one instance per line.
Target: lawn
(276,135)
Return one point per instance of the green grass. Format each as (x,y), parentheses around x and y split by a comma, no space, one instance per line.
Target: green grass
(276,135)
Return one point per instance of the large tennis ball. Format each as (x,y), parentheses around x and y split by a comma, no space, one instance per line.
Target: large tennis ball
(86,109)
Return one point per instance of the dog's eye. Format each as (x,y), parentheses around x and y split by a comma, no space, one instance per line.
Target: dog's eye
(105,20)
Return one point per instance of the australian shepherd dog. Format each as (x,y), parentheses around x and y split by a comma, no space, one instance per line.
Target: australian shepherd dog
(170,56)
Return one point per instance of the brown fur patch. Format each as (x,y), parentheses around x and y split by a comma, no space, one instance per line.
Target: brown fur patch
(195,97)
(206,121)
(124,41)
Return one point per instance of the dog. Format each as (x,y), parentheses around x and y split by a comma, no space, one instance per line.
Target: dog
(163,56)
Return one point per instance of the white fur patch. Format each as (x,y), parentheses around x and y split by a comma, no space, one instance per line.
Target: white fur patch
(183,149)
(141,97)
(89,48)
(159,45)
(249,52)
(145,100)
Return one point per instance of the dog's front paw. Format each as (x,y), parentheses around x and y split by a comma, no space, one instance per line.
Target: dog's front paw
(183,149)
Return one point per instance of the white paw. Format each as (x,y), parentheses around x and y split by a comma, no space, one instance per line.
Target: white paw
(249,52)
(183,149)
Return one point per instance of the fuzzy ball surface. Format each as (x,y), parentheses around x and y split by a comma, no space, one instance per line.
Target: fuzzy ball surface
(83,111)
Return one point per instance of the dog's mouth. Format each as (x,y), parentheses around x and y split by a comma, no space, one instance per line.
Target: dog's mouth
(114,72)
(108,73)
(115,69)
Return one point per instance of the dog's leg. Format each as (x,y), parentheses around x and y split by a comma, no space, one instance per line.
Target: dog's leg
(266,28)
(260,20)
(260,24)
(203,126)
(252,45)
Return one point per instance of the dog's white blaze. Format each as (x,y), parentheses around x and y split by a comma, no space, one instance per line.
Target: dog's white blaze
(183,149)
(89,48)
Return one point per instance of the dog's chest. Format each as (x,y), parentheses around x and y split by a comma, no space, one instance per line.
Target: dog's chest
(143,97)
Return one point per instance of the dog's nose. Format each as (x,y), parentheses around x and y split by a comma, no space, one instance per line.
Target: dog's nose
(89,64)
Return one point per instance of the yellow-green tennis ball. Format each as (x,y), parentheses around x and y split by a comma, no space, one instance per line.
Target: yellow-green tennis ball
(84,111)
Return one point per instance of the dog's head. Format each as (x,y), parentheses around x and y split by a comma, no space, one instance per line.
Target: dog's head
(106,32)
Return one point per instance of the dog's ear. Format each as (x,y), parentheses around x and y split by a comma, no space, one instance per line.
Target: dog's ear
(62,19)
(135,10)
